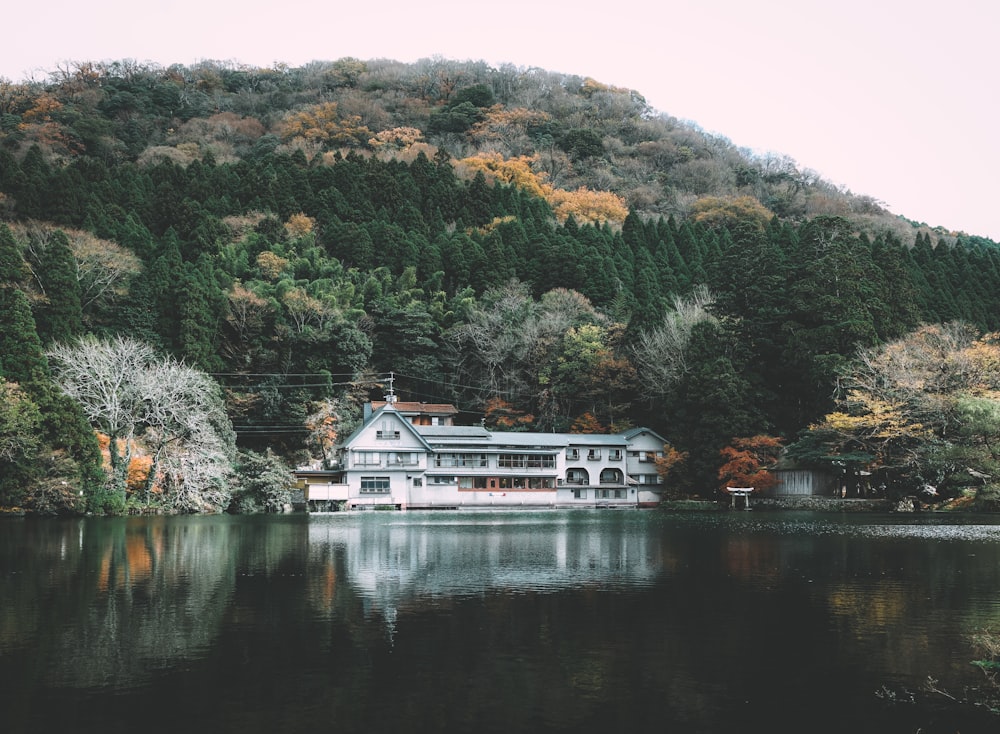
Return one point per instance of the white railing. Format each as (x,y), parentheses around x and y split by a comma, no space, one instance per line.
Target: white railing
(325,492)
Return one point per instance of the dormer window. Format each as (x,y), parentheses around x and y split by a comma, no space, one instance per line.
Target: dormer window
(387,433)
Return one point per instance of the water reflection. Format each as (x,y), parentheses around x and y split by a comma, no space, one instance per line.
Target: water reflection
(114,600)
(545,621)
(396,559)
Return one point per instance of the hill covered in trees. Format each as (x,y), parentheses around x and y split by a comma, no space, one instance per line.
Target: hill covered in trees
(541,248)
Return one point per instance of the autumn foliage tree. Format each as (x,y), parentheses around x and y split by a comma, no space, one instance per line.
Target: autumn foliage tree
(587,423)
(323,124)
(584,205)
(924,408)
(748,461)
(324,426)
(670,465)
(729,211)
(502,416)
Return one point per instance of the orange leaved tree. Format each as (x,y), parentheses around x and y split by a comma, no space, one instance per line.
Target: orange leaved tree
(748,460)
(668,465)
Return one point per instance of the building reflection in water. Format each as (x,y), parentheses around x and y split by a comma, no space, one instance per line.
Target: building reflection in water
(397,560)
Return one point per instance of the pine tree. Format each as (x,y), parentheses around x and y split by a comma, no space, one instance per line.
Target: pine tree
(22,361)
(13,269)
(202,305)
(711,405)
(60,317)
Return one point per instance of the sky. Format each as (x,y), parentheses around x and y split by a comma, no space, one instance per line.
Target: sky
(894,99)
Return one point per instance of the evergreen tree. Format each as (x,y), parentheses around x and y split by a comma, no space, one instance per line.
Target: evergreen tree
(21,357)
(60,317)
(13,269)
(63,427)
(710,405)
(202,306)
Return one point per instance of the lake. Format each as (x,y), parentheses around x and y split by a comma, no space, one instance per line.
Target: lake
(548,621)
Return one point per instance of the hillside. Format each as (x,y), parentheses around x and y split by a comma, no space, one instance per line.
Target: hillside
(576,132)
(541,248)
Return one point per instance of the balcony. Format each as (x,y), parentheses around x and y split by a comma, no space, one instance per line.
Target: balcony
(321,492)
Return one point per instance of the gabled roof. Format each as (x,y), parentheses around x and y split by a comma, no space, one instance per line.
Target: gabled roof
(386,408)
(634,432)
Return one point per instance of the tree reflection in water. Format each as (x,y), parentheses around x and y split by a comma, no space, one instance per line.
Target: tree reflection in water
(545,621)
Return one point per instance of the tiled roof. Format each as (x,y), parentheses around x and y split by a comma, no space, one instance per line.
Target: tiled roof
(426,408)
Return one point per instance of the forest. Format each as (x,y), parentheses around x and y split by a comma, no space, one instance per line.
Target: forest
(206,271)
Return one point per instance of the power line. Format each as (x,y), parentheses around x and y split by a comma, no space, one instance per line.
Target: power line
(282,386)
(279,374)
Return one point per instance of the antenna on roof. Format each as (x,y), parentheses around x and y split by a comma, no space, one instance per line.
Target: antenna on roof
(390,395)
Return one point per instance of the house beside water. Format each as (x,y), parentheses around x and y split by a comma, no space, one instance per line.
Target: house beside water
(412,456)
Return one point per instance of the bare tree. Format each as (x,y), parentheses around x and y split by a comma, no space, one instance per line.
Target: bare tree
(104,269)
(140,398)
(661,352)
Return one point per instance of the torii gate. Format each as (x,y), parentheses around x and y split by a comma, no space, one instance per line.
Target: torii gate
(743,492)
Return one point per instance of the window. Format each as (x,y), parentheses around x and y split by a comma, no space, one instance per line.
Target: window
(386,435)
(418,482)
(443,480)
(367,458)
(467,461)
(526,461)
(577,476)
(611,476)
(580,494)
(647,478)
(401,458)
(573,454)
(374,485)
(615,454)
(593,454)
(607,494)
(472,482)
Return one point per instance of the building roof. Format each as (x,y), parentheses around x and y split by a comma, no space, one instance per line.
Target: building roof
(596,439)
(484,438)
(480,438)
(451,432)
(633,432)
(423,408)
(386,408)
(528,439)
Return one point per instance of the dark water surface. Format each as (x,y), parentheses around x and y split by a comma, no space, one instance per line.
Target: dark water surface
(617,621)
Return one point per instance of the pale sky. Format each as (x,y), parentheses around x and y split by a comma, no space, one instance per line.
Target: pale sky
(896,99)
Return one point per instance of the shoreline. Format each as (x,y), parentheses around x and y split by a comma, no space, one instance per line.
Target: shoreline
(827,504)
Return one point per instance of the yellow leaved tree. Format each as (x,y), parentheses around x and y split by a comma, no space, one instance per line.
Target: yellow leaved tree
(584,205)
(921,411)
(323,124)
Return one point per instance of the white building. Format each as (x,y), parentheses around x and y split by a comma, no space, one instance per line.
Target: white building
(390,462)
